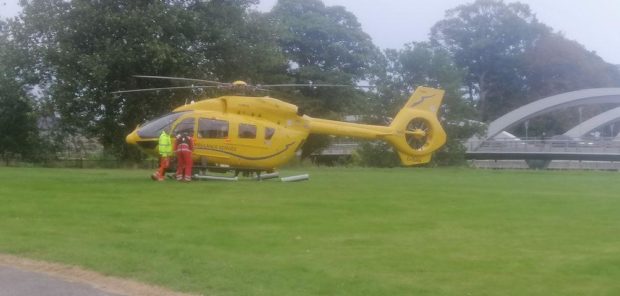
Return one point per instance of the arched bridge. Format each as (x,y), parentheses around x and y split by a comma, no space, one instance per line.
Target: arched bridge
(573,145)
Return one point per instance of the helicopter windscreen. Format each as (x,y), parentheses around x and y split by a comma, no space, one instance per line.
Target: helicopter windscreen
(153,128)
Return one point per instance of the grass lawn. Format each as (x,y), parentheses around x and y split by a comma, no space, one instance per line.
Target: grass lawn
(345,232)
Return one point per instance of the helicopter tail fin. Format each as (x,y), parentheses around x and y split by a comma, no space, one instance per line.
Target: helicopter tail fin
(418,131)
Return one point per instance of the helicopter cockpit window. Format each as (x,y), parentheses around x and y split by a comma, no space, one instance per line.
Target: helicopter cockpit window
(185,126)
(247,131)
(212,128)
(269,131)
(153,128)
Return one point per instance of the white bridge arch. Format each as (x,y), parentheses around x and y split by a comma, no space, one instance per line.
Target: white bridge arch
(593,123)
(546,105)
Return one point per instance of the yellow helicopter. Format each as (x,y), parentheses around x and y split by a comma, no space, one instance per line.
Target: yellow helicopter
(255,134)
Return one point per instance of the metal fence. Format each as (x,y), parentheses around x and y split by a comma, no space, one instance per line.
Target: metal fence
(82,163)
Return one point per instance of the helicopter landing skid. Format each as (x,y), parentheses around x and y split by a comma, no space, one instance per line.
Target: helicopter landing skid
(215,178)
(256,174)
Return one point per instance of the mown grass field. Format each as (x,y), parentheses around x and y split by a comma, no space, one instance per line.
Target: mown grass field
(345,232)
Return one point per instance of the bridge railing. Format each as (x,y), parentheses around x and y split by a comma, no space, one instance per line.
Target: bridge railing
(603,145)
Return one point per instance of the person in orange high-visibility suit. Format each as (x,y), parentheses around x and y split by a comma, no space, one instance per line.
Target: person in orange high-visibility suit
(183,147)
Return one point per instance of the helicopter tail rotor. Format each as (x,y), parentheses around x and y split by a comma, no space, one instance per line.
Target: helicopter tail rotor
(418,131)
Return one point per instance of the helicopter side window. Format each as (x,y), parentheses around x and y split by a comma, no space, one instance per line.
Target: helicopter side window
(153,128)
(212,128)
(247,131)
(269,131)
(185,126)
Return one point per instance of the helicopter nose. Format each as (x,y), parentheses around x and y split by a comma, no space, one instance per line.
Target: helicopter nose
(132,139)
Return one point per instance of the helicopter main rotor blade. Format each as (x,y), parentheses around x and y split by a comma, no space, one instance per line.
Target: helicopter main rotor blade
(258,88)
(314,85)
(164,88)
(235,85)
(301,85)
(182,79)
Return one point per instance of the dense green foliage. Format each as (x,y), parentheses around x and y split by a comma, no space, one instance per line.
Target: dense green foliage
(421,64)
(511,59)
(375,154)
(556,65)
(61,59)
(88,49)
(18,130)
(487,38)
(324,45)
(344,232)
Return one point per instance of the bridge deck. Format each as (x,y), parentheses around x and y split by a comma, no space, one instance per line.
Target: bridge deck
(600,150)
(543,155)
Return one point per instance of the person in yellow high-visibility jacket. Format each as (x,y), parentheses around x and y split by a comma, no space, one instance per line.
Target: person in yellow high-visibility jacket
(165,151)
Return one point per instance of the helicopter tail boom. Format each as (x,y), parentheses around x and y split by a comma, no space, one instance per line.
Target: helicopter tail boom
(347,129)
(415,132)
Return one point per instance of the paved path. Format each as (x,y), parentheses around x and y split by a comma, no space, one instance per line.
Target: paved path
(16,282)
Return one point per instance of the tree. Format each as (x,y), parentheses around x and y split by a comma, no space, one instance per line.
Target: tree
(488,39)
(18,127)
(556,65)
(234,43)
(324,45)
(88,49)
(511,59)
(422,64)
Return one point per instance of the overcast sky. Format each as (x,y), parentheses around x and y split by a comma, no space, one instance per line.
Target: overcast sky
(392,23)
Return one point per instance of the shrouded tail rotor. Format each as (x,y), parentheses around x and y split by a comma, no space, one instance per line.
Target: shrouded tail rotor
(418,134)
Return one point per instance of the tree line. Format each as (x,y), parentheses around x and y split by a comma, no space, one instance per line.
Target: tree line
(60,60)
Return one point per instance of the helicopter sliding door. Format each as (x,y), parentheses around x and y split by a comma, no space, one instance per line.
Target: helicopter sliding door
(213,141)
(249,135)
(240,142)
(259,143)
